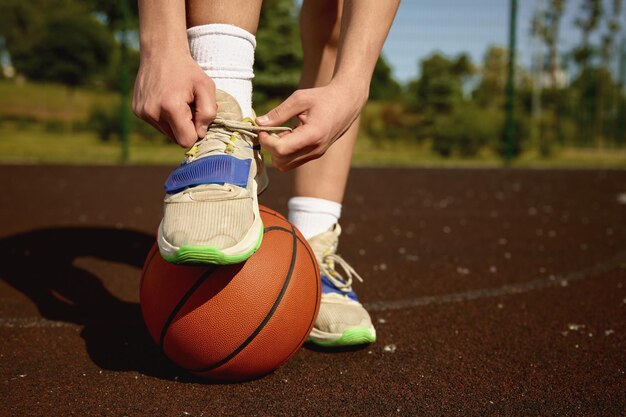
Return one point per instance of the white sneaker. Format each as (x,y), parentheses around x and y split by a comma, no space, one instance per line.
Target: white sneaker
(342,320)
(211,212)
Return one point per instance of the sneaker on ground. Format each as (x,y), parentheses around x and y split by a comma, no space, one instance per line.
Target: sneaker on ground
(342,320)
(211,212)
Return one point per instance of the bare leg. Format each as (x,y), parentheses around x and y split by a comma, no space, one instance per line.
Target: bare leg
(327,176)
(241,13)
(342,320)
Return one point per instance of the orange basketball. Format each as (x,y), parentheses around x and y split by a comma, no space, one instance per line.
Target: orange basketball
(237,322)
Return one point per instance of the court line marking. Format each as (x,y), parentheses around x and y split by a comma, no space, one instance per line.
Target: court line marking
(508,289)
(617,261)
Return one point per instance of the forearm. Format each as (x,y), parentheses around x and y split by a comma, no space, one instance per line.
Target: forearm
(364,28)
(162,27)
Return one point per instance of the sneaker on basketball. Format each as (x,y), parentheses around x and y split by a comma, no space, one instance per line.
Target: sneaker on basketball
(211,212)
(342,320)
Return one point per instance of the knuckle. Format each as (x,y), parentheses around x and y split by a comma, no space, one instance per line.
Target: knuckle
(211,112)
(207,82)
(168,107)
(298,95)
(151,113)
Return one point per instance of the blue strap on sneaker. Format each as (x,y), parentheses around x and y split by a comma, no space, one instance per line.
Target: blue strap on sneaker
(329,287)
(218,169)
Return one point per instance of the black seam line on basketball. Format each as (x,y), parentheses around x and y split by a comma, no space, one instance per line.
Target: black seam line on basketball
(182,302)
(313,260)
(284,229)
(292,231)
(267,318)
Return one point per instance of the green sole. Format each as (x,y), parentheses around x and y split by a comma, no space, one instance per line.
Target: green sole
(209,255)
(351,337)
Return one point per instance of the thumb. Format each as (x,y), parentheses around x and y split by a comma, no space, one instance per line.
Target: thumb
(293,106)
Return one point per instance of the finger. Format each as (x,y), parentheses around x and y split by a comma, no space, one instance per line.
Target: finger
(205,108)
(164,128)
(296,104)
(179,119)
(291,150)
(291,143)
(288,164)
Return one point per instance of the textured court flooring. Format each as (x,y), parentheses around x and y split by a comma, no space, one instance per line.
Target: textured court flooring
(494,292)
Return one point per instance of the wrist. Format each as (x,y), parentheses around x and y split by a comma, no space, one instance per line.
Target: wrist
(162,29)
(356,88)
(154,47)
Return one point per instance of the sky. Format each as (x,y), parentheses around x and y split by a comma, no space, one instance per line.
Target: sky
(454,26)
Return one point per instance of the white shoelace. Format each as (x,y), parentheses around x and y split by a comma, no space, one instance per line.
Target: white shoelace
(327,267)
(224,132)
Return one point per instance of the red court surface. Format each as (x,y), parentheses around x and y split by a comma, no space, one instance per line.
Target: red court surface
(494,292)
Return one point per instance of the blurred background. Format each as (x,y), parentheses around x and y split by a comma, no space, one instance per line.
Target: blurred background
(472,83)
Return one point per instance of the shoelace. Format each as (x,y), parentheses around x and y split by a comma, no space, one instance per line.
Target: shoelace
(228,132)
(327,267)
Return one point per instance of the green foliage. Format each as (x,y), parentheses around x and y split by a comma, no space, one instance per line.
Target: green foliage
(278,59)
(106,123)
(440,86)
(115,11)
(384,121)
(590,16)
(70,49)
(69,43)
(383,86)
(491,89)
(467,130)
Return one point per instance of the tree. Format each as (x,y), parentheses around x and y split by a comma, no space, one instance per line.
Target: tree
(440,85)
(383,85)
(490,91)
(113,11)
(55,40)
(71,49)
(546,27)
(21,23)
(607,50)
(278,59)
(591,13)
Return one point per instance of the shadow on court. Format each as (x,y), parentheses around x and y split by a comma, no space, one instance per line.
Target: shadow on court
(42,265)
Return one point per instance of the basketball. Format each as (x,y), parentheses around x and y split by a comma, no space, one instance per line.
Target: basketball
(235,322)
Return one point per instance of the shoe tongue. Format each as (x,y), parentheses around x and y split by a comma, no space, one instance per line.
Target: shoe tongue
(322,243)
(227,106)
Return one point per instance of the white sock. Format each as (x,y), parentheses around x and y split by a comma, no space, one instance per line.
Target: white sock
(313,216)
(226,54)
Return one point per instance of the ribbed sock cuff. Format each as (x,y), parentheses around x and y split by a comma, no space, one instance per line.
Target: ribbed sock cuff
(226,54)
(313,216)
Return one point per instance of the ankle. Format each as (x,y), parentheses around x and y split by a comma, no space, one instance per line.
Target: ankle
(313,216)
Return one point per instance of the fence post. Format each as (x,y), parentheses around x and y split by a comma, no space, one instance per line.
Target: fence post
(124,84)
(620,120)
(509,132)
